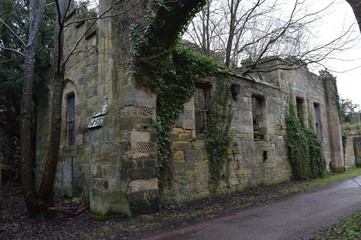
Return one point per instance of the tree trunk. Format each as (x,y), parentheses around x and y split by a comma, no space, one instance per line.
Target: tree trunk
(27,159)
(356,7)
(46,191)
(27,171)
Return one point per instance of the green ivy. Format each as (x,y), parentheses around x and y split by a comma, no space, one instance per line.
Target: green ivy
(173,81)
(217,134)
(304,147)
(171,72)
(174,86)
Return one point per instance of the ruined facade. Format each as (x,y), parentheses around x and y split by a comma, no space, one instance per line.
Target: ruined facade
(108,147)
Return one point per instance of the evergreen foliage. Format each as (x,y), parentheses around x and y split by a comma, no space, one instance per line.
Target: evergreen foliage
(304,147)
(15,14)
(217,135)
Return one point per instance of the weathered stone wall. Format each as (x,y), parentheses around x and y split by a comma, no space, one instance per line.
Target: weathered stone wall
(113,163)
(302,84)
(252,161)
(350,153)
(357,148)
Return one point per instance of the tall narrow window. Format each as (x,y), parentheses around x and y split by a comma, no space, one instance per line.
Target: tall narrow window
(258,117)
(318,126)
(201,106)
(70,103)
(299,103)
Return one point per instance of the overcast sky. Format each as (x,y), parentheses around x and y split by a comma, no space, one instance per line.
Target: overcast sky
(347,66)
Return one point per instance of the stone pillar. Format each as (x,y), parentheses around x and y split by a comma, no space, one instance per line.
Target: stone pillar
(137,118)
(357,148)
(107,193)
(123,160)
(334,127)
(349,153)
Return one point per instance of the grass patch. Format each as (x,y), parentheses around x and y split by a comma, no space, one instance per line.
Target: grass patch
(330,179)
(347,229)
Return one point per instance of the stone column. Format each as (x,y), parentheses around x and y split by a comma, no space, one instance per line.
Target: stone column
(137,118)
(107,193)
(123,160)
(334,127)
(349,153)
(357,148)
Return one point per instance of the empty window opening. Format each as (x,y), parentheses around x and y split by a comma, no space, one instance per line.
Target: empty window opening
(265,156)
(201,106)
(318,126)
(300,112)
(258,117)
(70,104)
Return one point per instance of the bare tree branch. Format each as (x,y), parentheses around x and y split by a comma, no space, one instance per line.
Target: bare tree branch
(12,50)
(13,32)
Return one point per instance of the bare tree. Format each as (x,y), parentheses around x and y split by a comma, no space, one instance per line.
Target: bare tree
(36,10)
(251,30)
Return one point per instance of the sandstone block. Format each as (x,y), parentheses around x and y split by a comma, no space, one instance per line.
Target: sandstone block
(182,145)
(144,185)
(189,124)
(191,155)
(136,136)
(178,156)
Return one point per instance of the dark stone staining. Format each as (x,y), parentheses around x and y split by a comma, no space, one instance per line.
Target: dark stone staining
(140,205)
(192,155)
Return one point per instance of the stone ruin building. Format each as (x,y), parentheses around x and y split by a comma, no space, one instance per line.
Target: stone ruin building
(108,143)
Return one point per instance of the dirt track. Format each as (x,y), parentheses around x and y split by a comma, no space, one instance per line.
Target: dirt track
(297,217)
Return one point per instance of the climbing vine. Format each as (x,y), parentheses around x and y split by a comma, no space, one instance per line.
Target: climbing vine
(174,86)
(171,71)
(304,147)
(217,135)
